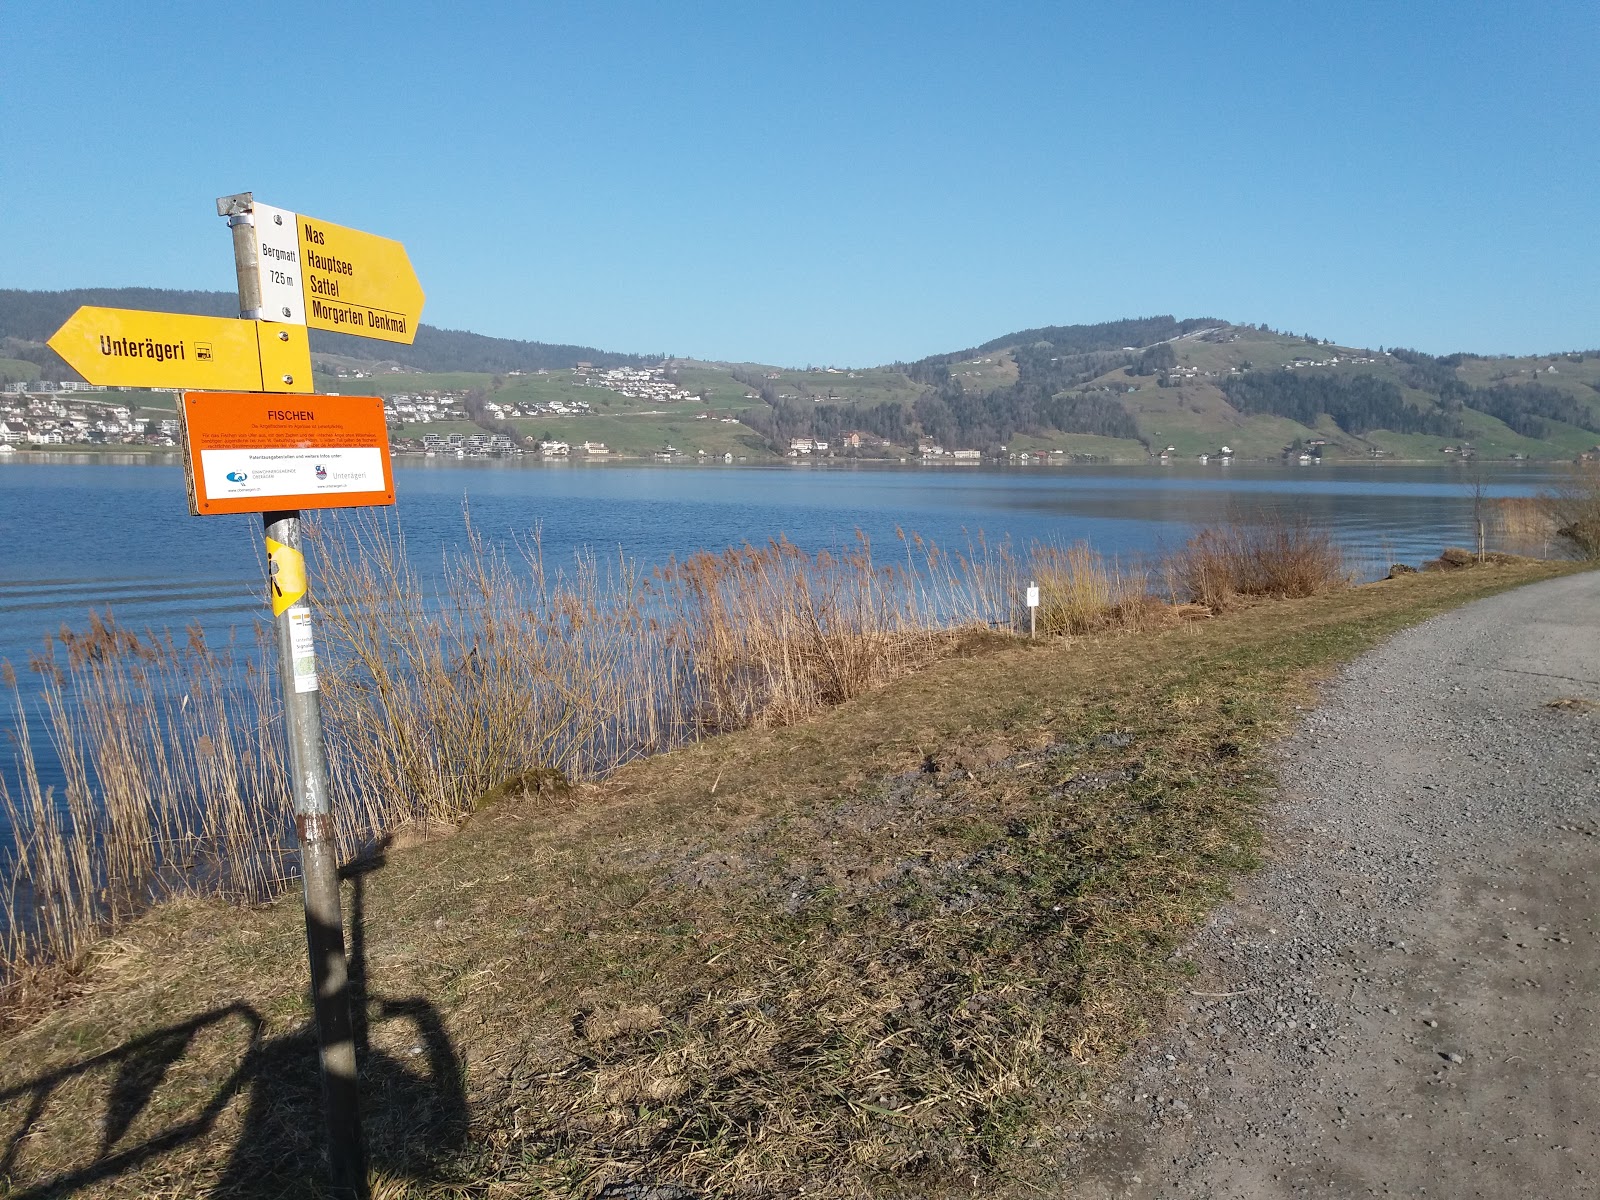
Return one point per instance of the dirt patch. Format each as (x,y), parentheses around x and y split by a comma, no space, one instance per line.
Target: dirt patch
(1454,558)
(1577,704)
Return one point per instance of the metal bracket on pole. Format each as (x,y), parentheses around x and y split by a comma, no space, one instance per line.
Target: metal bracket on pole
(239,202)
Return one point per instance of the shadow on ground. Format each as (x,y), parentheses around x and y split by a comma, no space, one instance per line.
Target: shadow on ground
(413,1105)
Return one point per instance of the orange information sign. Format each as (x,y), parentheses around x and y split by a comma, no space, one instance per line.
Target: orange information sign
(252,452)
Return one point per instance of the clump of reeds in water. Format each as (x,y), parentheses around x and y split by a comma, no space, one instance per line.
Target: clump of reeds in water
(168,784)
(1520,524)
(774,633)
(1275,556)
(432,698)
(1081,592)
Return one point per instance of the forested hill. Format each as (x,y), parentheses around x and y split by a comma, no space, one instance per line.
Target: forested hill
(28,318)
(1132,333)
(1125,390)
(1134,388)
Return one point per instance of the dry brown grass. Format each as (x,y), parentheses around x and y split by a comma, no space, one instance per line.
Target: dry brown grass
(1276,557)
(433,699)
(874,952)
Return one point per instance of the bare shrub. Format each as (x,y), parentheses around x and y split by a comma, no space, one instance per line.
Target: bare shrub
(1573,509)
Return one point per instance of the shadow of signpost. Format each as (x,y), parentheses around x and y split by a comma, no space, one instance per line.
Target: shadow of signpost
(413,1102)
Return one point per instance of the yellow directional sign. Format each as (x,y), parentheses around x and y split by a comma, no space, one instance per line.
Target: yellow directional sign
(357,282)
(120,347)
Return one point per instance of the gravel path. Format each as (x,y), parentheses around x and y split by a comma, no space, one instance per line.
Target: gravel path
(1404,1003)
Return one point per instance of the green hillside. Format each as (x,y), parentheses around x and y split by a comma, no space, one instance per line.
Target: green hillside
(1139,387)
(1119,391)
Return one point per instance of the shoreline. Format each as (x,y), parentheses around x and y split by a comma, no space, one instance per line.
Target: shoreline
(170,456)
(931,945)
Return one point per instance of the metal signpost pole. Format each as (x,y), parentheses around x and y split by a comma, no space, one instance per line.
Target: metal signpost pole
(236,377)
(308,773)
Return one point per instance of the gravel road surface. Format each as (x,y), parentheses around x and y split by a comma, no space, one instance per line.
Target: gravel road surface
(1404,1003)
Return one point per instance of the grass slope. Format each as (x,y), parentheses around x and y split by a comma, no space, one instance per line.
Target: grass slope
(644,433)
(1116,450)
(985,372)
(1196,418)
(17,370)
(871,953)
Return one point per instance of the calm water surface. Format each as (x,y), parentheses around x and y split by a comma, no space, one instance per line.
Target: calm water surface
(92,534)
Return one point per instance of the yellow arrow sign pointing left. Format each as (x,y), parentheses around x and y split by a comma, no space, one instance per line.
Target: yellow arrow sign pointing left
(120,347)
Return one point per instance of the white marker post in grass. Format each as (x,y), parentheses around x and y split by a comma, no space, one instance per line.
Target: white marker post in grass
(1033,607)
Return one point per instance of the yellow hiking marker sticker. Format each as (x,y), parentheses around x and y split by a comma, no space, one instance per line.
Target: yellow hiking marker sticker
(286,568)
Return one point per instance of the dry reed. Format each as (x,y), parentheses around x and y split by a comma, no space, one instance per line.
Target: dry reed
(170,750)
(1080,592)
(1572,508)
(168,785)
(1277,557)
(1521,523)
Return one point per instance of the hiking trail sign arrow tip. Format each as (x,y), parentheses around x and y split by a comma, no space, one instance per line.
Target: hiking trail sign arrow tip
(313,272)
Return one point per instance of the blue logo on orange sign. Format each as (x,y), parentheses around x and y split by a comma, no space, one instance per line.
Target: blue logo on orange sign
(237,476)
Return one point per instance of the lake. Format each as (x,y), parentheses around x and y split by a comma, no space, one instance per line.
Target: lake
(81,533)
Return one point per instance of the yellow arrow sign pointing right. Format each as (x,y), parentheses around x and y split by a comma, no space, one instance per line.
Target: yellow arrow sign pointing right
(120,347)
(358,282)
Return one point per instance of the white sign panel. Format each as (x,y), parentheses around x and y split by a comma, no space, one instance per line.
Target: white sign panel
(278,246)
(1033,595)
(236,474)
(302,650)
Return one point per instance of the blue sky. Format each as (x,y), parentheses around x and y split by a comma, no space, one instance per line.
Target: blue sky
(838,183)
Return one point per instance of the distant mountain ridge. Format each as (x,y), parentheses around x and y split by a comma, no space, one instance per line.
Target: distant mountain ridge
(28,318)
(1126,390)
(1134,332)
(1161,386)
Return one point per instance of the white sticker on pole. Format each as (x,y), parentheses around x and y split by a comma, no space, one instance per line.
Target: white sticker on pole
(1033,595)
(302,650)
(278,246)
